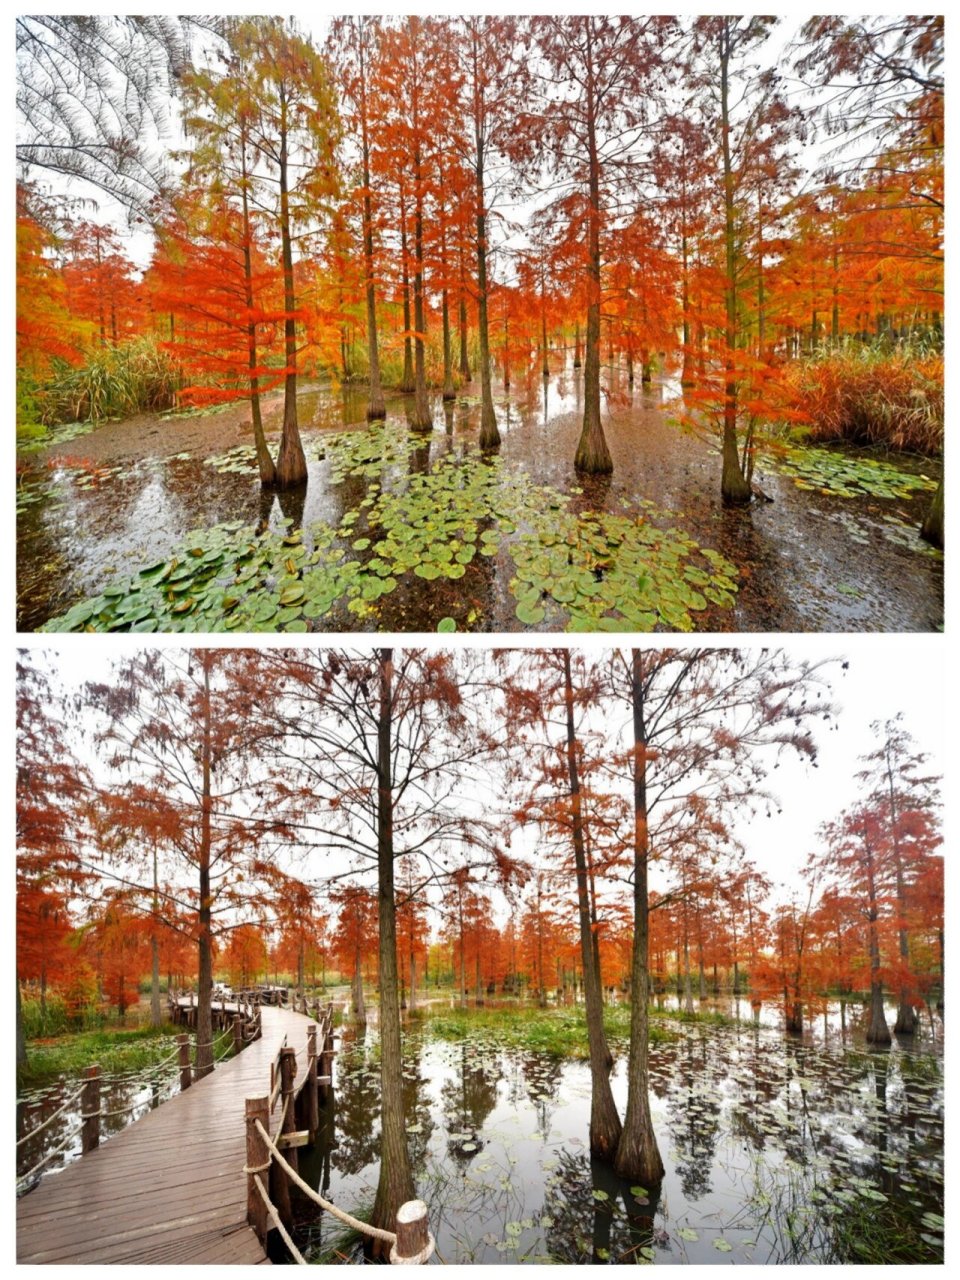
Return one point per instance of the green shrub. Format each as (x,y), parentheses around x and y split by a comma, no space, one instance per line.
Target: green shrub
(47,1018)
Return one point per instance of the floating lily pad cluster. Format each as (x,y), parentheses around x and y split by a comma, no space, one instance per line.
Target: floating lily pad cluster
(366,453)
(225,578)
(56,435)
(841,476)
(86,477)
(593,571)
(891,528)
(29,493)
(586,571)
(241,460)
(617,573)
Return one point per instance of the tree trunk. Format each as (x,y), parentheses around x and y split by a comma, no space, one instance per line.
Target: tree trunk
(463,958)
(686,373)
(906,1023)
(291,470)
(638,1155)
(465,373)
(592,455)
(877,1032)
(376,407)
(604,1122)
(265,465)
(406,381)
(794,1017)
(156,1017)
(932,528)
(489,432)
(734,486)
(21,1037)
(359,1009)
(395,1185)
(205,941)
(422,417)
(448,389)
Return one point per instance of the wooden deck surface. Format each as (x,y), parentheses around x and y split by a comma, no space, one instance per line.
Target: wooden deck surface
(169,1188)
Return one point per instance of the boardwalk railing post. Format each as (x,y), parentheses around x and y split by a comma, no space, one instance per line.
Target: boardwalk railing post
(279,1182)
(313,1108)
(414,1243)
(326,1057)
(186,1071)
(90,1109)
(237,1033)
(258,1164)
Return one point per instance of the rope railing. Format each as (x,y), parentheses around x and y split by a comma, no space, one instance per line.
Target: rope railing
(271,1208)
(22,1177)
(356,1224)
(89,1094)
(49,1120)
(297,1125)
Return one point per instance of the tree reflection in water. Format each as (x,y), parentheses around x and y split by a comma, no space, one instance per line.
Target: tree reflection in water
(776,1150)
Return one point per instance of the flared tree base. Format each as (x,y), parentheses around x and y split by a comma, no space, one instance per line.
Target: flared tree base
(593,456)
(932,528)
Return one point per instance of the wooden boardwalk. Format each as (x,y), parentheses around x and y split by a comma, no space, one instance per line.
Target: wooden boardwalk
(170,1187)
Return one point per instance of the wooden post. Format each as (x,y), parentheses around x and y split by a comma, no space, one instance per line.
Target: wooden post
(279,1183)
(186,1071)
(325,1078)
(258,1154)
(414,1243)
(90,1109)
(237,1033)
(310,1090)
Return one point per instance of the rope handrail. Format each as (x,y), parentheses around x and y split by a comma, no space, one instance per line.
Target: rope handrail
(208,1044)
(271,1209)
(355,1223)
(49,1156)
(119,1111)
(59,1111)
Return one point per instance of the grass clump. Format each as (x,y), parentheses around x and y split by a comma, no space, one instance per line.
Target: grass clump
(115,1051)
(115,382)
(562,1032)
(708,1016)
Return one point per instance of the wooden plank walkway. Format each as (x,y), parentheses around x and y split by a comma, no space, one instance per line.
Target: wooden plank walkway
(169,1188)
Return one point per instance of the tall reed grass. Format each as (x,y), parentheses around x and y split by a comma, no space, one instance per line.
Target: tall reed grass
(873,396)
(116,382)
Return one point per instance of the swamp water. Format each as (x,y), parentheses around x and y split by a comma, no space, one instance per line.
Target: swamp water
(160,524)
(125,1098)
(776,1151)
